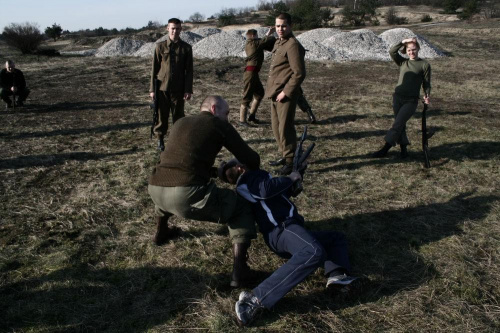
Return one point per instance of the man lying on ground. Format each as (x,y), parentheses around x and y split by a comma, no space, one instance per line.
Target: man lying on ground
(283,230)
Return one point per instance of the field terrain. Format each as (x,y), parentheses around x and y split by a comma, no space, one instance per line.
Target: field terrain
(76,220)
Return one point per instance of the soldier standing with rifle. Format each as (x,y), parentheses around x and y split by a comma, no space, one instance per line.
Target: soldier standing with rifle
(12,83)
(286,73)
(173,68)
(413,74)
(253,88)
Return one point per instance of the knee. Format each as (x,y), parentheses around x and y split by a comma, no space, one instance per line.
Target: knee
(318,254)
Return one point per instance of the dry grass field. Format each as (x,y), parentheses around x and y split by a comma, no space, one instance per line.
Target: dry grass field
(76,219)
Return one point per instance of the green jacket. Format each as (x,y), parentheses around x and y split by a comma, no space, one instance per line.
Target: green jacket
(413,74)
(180,80)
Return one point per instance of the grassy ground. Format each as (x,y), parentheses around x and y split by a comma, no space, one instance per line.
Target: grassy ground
(76,220)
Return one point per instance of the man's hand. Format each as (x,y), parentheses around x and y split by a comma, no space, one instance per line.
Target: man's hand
(271,31)
(409,40)
(152,95)
(281,96)
(187,96)
(13,89)
(295,176)
(427,99)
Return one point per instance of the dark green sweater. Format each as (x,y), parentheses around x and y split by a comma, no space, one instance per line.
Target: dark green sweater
(192,146)
(413,74)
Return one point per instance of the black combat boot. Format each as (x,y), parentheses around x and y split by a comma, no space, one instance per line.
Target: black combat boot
(404,151)
(382,152)
(161,144)
(163,232)
(241,272)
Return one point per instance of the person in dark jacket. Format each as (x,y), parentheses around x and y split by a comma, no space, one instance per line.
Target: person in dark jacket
(12,83)
(284,233)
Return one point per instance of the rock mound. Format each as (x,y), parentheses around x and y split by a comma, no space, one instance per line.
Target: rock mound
(221,45)
(119,47)
(427,50)
(361,44)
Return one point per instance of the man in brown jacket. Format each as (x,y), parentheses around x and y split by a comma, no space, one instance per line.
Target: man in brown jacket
(180,184)
(286,73)
(253,88)
(173,68)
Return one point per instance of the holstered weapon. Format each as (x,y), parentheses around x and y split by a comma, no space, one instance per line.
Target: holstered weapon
(155,106)
(298,161)
(425,138)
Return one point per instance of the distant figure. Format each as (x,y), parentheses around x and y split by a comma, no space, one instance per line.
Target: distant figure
(283,230)
(12,83)
(286,73)
(253,88)
(173,68)
(180,184)
(413,74)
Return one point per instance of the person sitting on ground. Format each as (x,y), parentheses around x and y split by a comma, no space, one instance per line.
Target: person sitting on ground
(12,83)
(413,74)
(284,233)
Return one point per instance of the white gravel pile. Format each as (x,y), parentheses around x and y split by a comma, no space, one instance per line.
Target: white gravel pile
(318,35)
(147,50)
(119,47)
(361,44)
(205,32)
(221,45)
(316,51)
(427,50)
(188,36)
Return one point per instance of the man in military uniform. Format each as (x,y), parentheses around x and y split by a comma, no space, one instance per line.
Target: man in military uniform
(253,88)
(287,71)
(413,74)
(12,83)
(180,184)
(173,68)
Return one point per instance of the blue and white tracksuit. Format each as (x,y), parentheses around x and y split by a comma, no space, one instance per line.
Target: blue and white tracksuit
(283,231)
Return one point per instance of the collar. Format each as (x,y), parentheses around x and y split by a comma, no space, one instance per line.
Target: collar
(284,40)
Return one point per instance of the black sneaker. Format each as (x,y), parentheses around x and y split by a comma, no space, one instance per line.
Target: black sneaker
(247,308)
(253,119)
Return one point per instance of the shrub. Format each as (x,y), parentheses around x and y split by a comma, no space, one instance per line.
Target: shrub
(451,6)
(471,7)
(426,18)
(24,36)
(306,14)
(54,31)
(358,12)
(392,19)
(226,17)
(197,17)
(278,8)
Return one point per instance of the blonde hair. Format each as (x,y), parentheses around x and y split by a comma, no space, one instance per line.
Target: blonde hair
(406,45)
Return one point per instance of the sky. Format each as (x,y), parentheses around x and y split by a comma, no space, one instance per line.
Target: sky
(90,14)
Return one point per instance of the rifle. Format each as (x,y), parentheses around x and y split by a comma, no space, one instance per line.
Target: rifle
(298,160)
(155,107)
(425,138)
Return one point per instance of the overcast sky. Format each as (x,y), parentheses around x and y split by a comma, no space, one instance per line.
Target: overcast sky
(82,14)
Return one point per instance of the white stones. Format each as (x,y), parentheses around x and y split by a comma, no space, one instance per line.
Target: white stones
(221,45)
(119,47)
(427,50)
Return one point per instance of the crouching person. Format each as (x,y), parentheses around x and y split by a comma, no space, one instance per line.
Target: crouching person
(180,184)
(283,230)
(12,83)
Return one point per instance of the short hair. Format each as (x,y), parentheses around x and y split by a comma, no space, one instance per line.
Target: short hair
(285,16)
(403,51)
(251,32)
(209,101)
(174,21)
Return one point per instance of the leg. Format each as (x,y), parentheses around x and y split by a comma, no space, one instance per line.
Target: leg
(258,94)
(307,255)
(23,94)
(275,125)
(177,107)
(287,134)
(403,111)
(164,111)
(335,245)
(4,94)
(247,96)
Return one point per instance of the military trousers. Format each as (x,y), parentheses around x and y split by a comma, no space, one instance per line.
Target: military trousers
(207,203)
(404,108)
(282,123)
(306,251)
(168,103)
(252,87)
(21,94)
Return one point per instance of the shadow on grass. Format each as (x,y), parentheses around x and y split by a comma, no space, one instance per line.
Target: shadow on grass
(386,244)
(341,119)
(459,151)
(76,131)
(78,106)
(98,300)
(56,159)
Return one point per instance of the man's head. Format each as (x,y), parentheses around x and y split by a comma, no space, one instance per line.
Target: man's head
(217,106)
(174,29)
(283,25)
(9,65)
(232,173)
(252,34)
(411,49)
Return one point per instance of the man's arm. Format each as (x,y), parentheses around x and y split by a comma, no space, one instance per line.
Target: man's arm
(426,84)
(296,60)
(239,148)
(154,70)
(188,80)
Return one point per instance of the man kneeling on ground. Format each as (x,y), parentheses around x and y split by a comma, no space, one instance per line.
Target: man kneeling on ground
(12,83)
(284,233)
